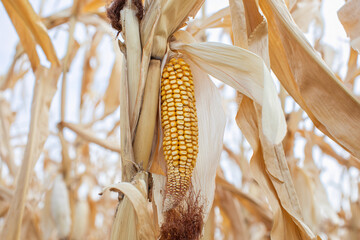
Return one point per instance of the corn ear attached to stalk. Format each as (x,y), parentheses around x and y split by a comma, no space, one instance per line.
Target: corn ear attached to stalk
(180,128)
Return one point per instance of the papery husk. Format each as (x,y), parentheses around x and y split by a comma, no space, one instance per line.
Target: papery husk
(174,14)
(332,108)
(149,21)
(211,124)
(127,154)
(245,72)
(146,127)
(60,207)
(209,228)
(126,225)
(142,90)
(350,19)
(131,31)
(45,88)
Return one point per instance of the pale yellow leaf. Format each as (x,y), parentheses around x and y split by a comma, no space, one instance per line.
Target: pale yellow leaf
(331,107)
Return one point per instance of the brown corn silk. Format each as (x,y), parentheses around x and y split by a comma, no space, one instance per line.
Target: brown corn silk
(180,128)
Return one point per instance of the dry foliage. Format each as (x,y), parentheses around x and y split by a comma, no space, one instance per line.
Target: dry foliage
(82,130)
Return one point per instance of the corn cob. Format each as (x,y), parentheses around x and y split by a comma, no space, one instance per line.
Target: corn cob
(180,126)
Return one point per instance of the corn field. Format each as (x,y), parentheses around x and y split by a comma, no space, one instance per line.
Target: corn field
(180,119)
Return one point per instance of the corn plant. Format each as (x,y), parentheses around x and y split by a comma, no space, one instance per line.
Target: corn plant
(134,151)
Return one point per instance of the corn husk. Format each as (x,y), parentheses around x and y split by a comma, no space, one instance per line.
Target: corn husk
(131,31)
(143,227)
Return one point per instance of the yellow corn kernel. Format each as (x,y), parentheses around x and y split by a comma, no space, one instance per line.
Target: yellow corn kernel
(181,143)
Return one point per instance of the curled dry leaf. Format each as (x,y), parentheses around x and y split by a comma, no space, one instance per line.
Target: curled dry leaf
(331,107)
(245,72)
(145,226)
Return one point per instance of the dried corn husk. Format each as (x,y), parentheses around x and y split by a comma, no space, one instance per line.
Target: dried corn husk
(173,15)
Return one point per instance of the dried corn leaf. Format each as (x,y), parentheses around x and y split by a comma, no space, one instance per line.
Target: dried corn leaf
(147,122)
(256,208)
(32,21)
(25,36)
(331,107)
(269,168)
(45,89)
(349,17)
(234,212)
(246,73)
